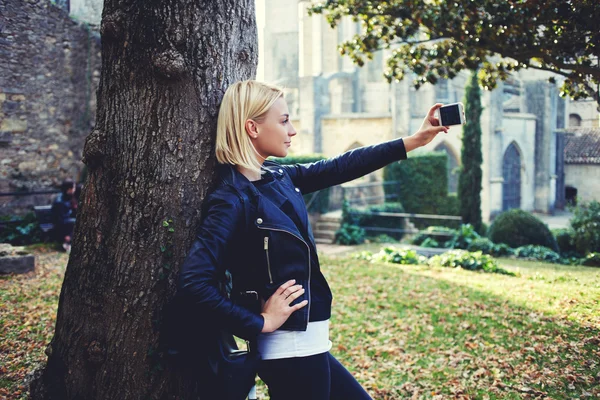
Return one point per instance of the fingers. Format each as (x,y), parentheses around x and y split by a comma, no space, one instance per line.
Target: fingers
(433,109)
(286,285)
(298,306)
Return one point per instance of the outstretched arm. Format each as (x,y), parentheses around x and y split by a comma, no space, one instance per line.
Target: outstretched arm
(359,162)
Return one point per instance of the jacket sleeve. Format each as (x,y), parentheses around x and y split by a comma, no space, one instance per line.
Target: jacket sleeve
(345,167)
(199,274)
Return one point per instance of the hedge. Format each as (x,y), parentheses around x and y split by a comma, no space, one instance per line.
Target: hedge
(423,187)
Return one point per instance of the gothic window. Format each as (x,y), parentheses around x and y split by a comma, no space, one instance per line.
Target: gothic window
(452,166)
(375,67)
(511,172)
(442,94)
(574,120)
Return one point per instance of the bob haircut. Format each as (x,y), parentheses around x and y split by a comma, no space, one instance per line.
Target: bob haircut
(242,101)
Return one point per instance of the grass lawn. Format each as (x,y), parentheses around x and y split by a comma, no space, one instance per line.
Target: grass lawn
(404,331)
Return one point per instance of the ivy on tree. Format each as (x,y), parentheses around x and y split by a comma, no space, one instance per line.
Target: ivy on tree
(437,39)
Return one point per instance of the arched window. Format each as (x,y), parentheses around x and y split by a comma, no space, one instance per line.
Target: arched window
(511,172)
(452,166)
(574,120)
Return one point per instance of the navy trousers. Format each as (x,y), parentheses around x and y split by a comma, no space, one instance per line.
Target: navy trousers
(318,377)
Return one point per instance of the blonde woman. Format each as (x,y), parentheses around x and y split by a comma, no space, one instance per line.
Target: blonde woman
(255,224)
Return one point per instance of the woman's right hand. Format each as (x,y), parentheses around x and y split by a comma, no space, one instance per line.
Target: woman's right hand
(277,308)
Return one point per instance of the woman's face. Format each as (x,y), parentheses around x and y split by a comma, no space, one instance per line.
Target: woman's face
(273,136)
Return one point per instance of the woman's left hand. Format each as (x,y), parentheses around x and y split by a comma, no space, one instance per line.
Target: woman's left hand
(428,130)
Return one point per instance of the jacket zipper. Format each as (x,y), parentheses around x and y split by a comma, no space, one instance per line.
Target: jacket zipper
(268,261)
(309,269)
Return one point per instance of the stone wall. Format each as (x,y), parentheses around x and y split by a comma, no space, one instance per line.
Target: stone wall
(586,179)
(49,72)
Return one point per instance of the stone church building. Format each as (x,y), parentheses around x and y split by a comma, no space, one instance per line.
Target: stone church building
(49,72)
(337,106)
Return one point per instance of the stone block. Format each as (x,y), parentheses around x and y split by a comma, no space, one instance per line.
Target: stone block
(14,260)
(13,125)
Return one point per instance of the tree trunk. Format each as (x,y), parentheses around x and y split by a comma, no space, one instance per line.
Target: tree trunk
(165,67)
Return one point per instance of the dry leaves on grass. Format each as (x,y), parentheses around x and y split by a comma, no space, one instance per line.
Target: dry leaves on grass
(27,315)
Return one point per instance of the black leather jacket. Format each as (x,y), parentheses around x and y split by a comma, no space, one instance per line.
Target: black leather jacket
(248,234)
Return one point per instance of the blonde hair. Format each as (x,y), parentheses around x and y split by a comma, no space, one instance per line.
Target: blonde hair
(242,101)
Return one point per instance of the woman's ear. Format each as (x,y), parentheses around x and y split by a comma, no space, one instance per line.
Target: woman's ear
(251,128)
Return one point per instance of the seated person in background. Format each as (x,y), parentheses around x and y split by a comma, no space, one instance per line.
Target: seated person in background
(64,210)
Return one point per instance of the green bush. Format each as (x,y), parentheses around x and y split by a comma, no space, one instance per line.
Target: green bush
(586,225)
(502,250)
(369,218)
(431,242)
(537,253)
(565,239)
(350,235)
(592,260)
(484,245)
(398,256)
(518,228)
(463,237)
(439,234)
(467,260)
(321,202)
(20,231)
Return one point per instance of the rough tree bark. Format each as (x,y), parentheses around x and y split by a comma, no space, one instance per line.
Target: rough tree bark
(165,67)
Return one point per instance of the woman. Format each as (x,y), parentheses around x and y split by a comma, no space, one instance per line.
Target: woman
(256,226)
(64,210)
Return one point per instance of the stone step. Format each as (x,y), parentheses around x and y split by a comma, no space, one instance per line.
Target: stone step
(334,219)
(323,241)
(327,226)
(325,234)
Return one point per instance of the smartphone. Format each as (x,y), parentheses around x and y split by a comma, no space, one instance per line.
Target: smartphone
(452,114)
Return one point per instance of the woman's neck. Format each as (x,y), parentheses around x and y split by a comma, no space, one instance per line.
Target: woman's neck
(250,174)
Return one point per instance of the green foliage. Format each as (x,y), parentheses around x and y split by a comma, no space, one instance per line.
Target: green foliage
(484,245)
(467,260)
(25,231)
(586,224)
(537,253)
(463,237)
(398,256)
(565,239)
(438,234)
(518,228)
(368,218)
(423,186)
(350,234)
(502,250)
(435,40)
(469,180)
(591,260)
(321,202)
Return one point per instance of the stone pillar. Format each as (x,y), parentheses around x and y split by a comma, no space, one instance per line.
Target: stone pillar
(492,154)
(542,101)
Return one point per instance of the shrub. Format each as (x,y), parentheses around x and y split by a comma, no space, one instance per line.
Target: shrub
(586,227)
(502,250)
(440,234)
(369,218)
(463,237)
(484,245)
(592,260)
(537,253)
(350,234)
(518,228)
(399,256)
(467,260)
(431,242)
(565,239)
(20,231)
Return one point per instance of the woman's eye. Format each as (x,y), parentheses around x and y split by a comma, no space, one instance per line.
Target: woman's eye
(286,121)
